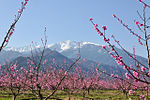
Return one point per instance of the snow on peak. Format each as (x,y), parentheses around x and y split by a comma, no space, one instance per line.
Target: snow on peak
(22,49)
(60,46)
(86,43)
(65,45)
(50,45)
(68,44)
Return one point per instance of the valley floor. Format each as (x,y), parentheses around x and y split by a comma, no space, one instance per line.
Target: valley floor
(78,95)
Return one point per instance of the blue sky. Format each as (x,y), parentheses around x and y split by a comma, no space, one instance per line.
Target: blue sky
(69,20)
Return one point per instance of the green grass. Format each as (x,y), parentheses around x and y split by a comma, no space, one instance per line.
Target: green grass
(94,94)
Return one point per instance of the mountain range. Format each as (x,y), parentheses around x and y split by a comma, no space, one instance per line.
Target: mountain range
(68,50)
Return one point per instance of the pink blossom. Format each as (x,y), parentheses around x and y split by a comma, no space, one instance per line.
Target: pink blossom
(96,25)
(91,19)
(137,22)
(101,34)
(19,11)
(130,91)
(97,30)
(105,39)
(121,63)
(15,19)
(138,0)
(96,70)
(65,73)
(104,28)
(15,66)
(14,75)
(103,46)
(10,33)
(84,60)
(77,69)
(139,37)
(32,62)
(112,36)
(44,61)
(125,67)
(108,39)
(21,68)
(25,3)
(141,24)
(142,96)
(30,71)
(135,80)
(127,76)
(114,15)
(112,75)
(135,74)
(120,57)
(18,78)
(143,68)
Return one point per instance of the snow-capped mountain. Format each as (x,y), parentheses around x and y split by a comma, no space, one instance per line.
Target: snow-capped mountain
(91,51)
(21,49)
(60,46)
(88,50)
(68,44)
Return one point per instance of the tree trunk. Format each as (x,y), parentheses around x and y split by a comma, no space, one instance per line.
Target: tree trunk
(40,97)
(88,91)
(15,96)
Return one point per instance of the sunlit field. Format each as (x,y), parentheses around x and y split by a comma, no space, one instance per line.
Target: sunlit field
(80,95)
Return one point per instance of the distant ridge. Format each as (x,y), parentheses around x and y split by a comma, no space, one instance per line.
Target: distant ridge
(68,48)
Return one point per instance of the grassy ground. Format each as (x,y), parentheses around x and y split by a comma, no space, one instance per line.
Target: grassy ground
(94,94)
